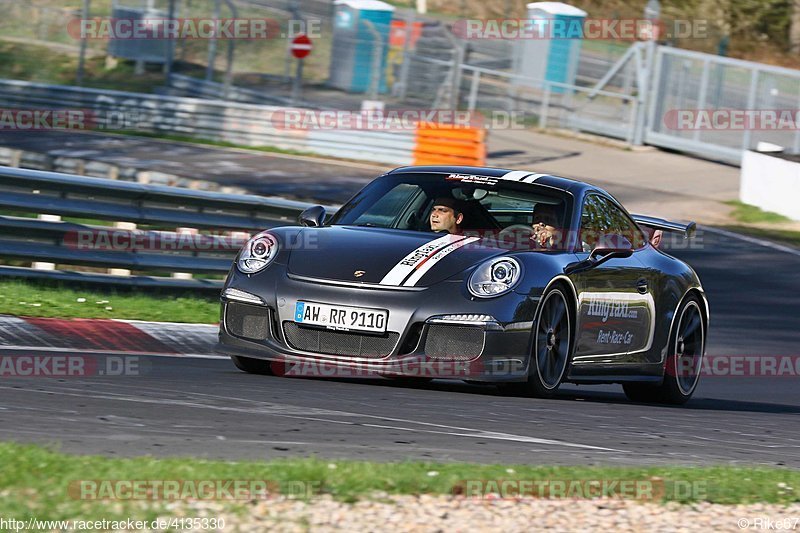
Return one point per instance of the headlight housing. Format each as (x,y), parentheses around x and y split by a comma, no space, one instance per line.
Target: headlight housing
(494,277)
(258,253)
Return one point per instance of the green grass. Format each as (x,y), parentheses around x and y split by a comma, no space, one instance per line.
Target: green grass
(750,214)
(35,480)
(40,64)
(39,300)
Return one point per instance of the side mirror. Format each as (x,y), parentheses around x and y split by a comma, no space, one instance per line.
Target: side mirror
(312,217)
(612,246)
(608,247)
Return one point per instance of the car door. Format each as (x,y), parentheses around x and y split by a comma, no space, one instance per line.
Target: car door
(615,315)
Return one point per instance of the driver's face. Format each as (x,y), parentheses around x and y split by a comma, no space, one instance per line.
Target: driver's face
(444,218)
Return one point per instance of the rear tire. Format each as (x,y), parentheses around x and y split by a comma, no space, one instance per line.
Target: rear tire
(252,366)
(684,361)
(552,343)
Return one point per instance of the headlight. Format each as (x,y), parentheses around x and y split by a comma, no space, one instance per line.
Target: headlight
(494,277)
(258,253)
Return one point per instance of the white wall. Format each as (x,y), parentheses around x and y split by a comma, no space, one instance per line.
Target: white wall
(771,183)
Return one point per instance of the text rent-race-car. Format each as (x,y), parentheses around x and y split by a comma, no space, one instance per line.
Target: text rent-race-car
(375,289)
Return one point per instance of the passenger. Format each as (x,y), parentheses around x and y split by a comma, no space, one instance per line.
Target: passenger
(653,235)
(545,226)
(447,215)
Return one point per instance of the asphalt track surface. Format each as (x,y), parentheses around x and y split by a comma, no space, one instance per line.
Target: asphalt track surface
(269,174)
(264,173)
(205,407)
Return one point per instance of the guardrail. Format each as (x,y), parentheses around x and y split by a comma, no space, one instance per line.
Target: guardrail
(184,231)
(233,122)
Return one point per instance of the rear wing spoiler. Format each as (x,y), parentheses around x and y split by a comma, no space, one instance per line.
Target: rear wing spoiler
(688,230)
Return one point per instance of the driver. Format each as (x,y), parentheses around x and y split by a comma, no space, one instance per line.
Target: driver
(447,215)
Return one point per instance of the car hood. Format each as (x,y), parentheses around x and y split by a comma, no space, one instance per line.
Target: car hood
(384,256)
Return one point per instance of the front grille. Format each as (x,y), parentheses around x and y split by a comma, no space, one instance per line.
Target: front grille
(247,321)
(458,343)
(339,342)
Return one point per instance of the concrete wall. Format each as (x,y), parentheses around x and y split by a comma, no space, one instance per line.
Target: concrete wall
(771,183)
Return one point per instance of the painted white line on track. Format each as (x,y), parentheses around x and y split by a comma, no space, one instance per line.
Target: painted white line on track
(465,432)
(281,410)
(753,240)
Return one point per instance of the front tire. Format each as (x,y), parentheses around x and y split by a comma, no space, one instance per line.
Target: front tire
(552,342)
(684,362)
(252,366)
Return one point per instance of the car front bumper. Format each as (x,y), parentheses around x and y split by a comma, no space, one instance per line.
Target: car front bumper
(420,341)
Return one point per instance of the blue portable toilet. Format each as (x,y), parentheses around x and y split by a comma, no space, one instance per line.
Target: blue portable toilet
(353,46)
(554,57)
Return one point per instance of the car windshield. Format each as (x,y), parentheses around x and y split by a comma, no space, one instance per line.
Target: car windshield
(405,202)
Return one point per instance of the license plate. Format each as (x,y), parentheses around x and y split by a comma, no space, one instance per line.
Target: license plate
(341,317)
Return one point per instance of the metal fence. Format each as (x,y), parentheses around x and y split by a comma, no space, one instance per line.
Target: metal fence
(686,80)
(632,95)
(159,236)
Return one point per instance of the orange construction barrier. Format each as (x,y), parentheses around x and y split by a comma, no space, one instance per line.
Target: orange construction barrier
(444,144)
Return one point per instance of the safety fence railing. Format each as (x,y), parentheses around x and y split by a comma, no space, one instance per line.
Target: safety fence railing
(526,101)
(320,132)
(95,230)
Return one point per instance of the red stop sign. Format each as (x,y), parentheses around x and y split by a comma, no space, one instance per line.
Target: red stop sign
(301,46)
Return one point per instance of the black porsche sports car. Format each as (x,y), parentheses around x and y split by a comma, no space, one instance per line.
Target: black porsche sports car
(546,280)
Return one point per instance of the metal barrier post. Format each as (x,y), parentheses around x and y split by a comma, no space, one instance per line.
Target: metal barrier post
(82,57)
(404,68)
(43,265)
(701,99)
(231,46)
(645,92)
(457,70)
(545,108)
(377,54)
(212,45)
(473,90)
(751,102)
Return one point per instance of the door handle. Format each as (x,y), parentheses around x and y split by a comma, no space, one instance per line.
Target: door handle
(641,286)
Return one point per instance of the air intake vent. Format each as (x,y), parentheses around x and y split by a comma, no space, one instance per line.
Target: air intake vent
(339,342)
(247,321)
(455,343)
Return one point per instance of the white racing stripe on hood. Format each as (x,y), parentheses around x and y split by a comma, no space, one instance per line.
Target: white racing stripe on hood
(423,267)
(406,266)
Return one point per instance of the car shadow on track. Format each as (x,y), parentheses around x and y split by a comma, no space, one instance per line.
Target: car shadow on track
(590,396)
